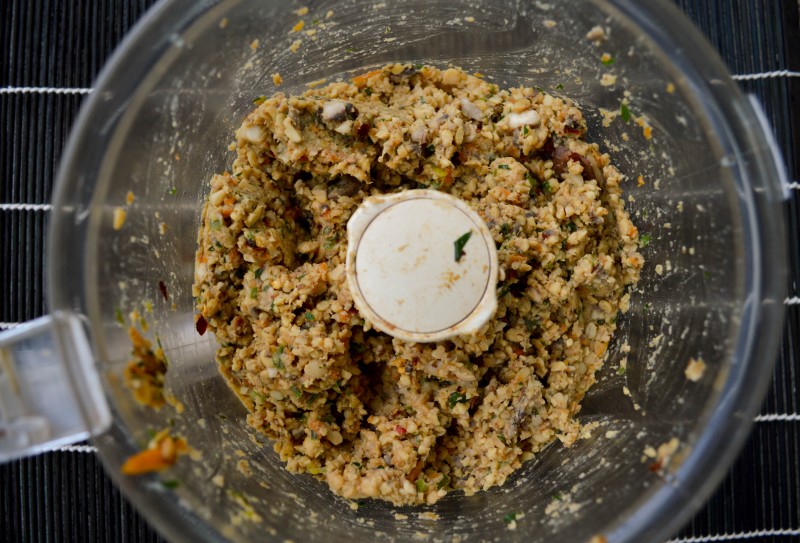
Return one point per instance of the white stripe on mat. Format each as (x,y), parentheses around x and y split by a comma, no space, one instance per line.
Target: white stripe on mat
(10,325)
(739,535)
(765,75)
(778,417)
(77,448)
(43,90)
(26,207)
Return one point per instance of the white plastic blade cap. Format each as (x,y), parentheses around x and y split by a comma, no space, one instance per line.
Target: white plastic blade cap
(421,265)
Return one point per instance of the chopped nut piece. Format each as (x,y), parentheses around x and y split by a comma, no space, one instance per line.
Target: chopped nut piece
(119,217)
(596,34)
(695,369)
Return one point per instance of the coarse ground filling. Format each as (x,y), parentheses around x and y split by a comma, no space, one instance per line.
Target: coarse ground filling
(372,415)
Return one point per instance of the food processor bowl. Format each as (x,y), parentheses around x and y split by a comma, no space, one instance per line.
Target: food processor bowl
(704,187)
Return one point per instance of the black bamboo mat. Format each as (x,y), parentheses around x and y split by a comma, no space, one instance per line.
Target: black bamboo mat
(51,52)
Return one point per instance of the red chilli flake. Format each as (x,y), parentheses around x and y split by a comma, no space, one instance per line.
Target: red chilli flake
(362,130)
(201,325)
(400,430)
(163,288)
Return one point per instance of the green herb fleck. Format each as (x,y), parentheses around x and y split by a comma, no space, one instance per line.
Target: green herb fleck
(571,226)
(504,290)
(530,324)
(644,240)
(546,187)
(356,464)
(368,91)
(260,100)
(118,316)
(502,439)
(431,148)
(314,22)
(646,307)
(608,60)
(421,486)
(277,358)
(459,245)
(503,167)
(509,518)
(309,316)
(456,397)
(254,292)
(257,397)
(238,495)
(171,483)
(160,346)
(621,370)
(525,130)
(558,497)
(560,86)
(258,273)
(173,191)
(350,50)
(707,275)
(443,482)
(624,112)
(296,391)
(531,180)
(505,229)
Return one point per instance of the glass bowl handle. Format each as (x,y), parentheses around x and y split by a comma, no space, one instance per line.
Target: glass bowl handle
(50,392)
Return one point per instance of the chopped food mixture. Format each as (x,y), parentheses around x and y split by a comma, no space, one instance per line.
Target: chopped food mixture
(372,415)
(162,451)
(144,375)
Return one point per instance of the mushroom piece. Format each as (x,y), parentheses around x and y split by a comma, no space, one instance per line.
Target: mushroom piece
(529,117)
(471,110)
(344,185)
(563,154)
(338,111)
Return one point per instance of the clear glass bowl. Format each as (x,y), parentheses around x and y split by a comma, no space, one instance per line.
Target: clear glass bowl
(159,124)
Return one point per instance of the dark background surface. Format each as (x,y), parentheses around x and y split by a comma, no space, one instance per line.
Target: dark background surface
(62,44)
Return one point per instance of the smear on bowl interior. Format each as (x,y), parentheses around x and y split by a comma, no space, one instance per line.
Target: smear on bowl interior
(372,415)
